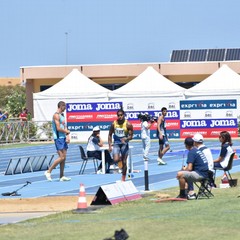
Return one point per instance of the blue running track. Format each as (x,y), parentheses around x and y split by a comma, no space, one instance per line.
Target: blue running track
(160,177)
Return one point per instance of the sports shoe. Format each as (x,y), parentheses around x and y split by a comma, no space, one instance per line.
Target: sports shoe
(213,185)
(161,162)
(64,179)
(48,176)
(182,196)
(99,171)
(192,196)
(112,166)
(116,166)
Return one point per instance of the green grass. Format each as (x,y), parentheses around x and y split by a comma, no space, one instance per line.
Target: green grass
(20,145)
(215,218)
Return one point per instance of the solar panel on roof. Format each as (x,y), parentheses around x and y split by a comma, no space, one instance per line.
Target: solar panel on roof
(233,54)
(198,55)
(179,56)
(216,54)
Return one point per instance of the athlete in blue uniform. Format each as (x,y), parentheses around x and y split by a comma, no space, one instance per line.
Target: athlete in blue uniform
(61,139)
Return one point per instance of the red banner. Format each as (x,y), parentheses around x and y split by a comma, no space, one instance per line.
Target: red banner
(173,124)
(91,116)
(208,132)
(170,124)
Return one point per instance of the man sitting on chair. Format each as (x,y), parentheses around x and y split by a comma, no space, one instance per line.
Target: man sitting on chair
(198,143)
(196,169)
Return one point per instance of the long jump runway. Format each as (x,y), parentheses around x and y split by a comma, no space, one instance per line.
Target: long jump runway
(160,177)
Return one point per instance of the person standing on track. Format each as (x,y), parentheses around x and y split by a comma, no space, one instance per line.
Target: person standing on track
(146,124)
(162,136)
(61,139)
(122,132)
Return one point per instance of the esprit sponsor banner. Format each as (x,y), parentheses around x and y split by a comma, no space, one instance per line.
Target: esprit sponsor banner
(88,126)
(208,133)
(91,116)
(173,134)
(136,134)
(93,107)
(208,123)
(208,104)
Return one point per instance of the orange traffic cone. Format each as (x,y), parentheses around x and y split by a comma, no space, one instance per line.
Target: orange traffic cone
(235,155)
(82,201)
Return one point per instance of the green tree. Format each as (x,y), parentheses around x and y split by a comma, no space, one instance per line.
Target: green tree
(13,99)
(5,91)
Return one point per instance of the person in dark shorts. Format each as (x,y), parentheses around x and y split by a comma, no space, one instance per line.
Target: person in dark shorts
(162,136)
(122,132)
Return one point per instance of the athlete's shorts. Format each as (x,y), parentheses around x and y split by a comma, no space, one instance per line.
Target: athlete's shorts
(163,141)
(192,176)
(121,149)
(60,144)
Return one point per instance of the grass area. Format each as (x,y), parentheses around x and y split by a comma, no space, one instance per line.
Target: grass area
(20,145)
(218,217)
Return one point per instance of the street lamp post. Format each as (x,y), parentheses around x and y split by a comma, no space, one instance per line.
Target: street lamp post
(66,34)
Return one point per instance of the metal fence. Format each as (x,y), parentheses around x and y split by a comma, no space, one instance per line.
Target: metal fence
(14,131)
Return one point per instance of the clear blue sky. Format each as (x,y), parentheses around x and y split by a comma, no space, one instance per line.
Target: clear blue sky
(33,32)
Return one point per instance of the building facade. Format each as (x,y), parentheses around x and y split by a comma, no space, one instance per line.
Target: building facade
(185,74)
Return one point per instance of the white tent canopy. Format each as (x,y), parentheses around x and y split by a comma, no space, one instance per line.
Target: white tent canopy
(74,88)
(223,82)
(74,85)
(149,83)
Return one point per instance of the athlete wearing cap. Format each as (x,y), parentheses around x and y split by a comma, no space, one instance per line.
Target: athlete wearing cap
(198,143)
(93,149)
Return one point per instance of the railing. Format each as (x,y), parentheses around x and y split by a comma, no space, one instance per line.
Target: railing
(14,131)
